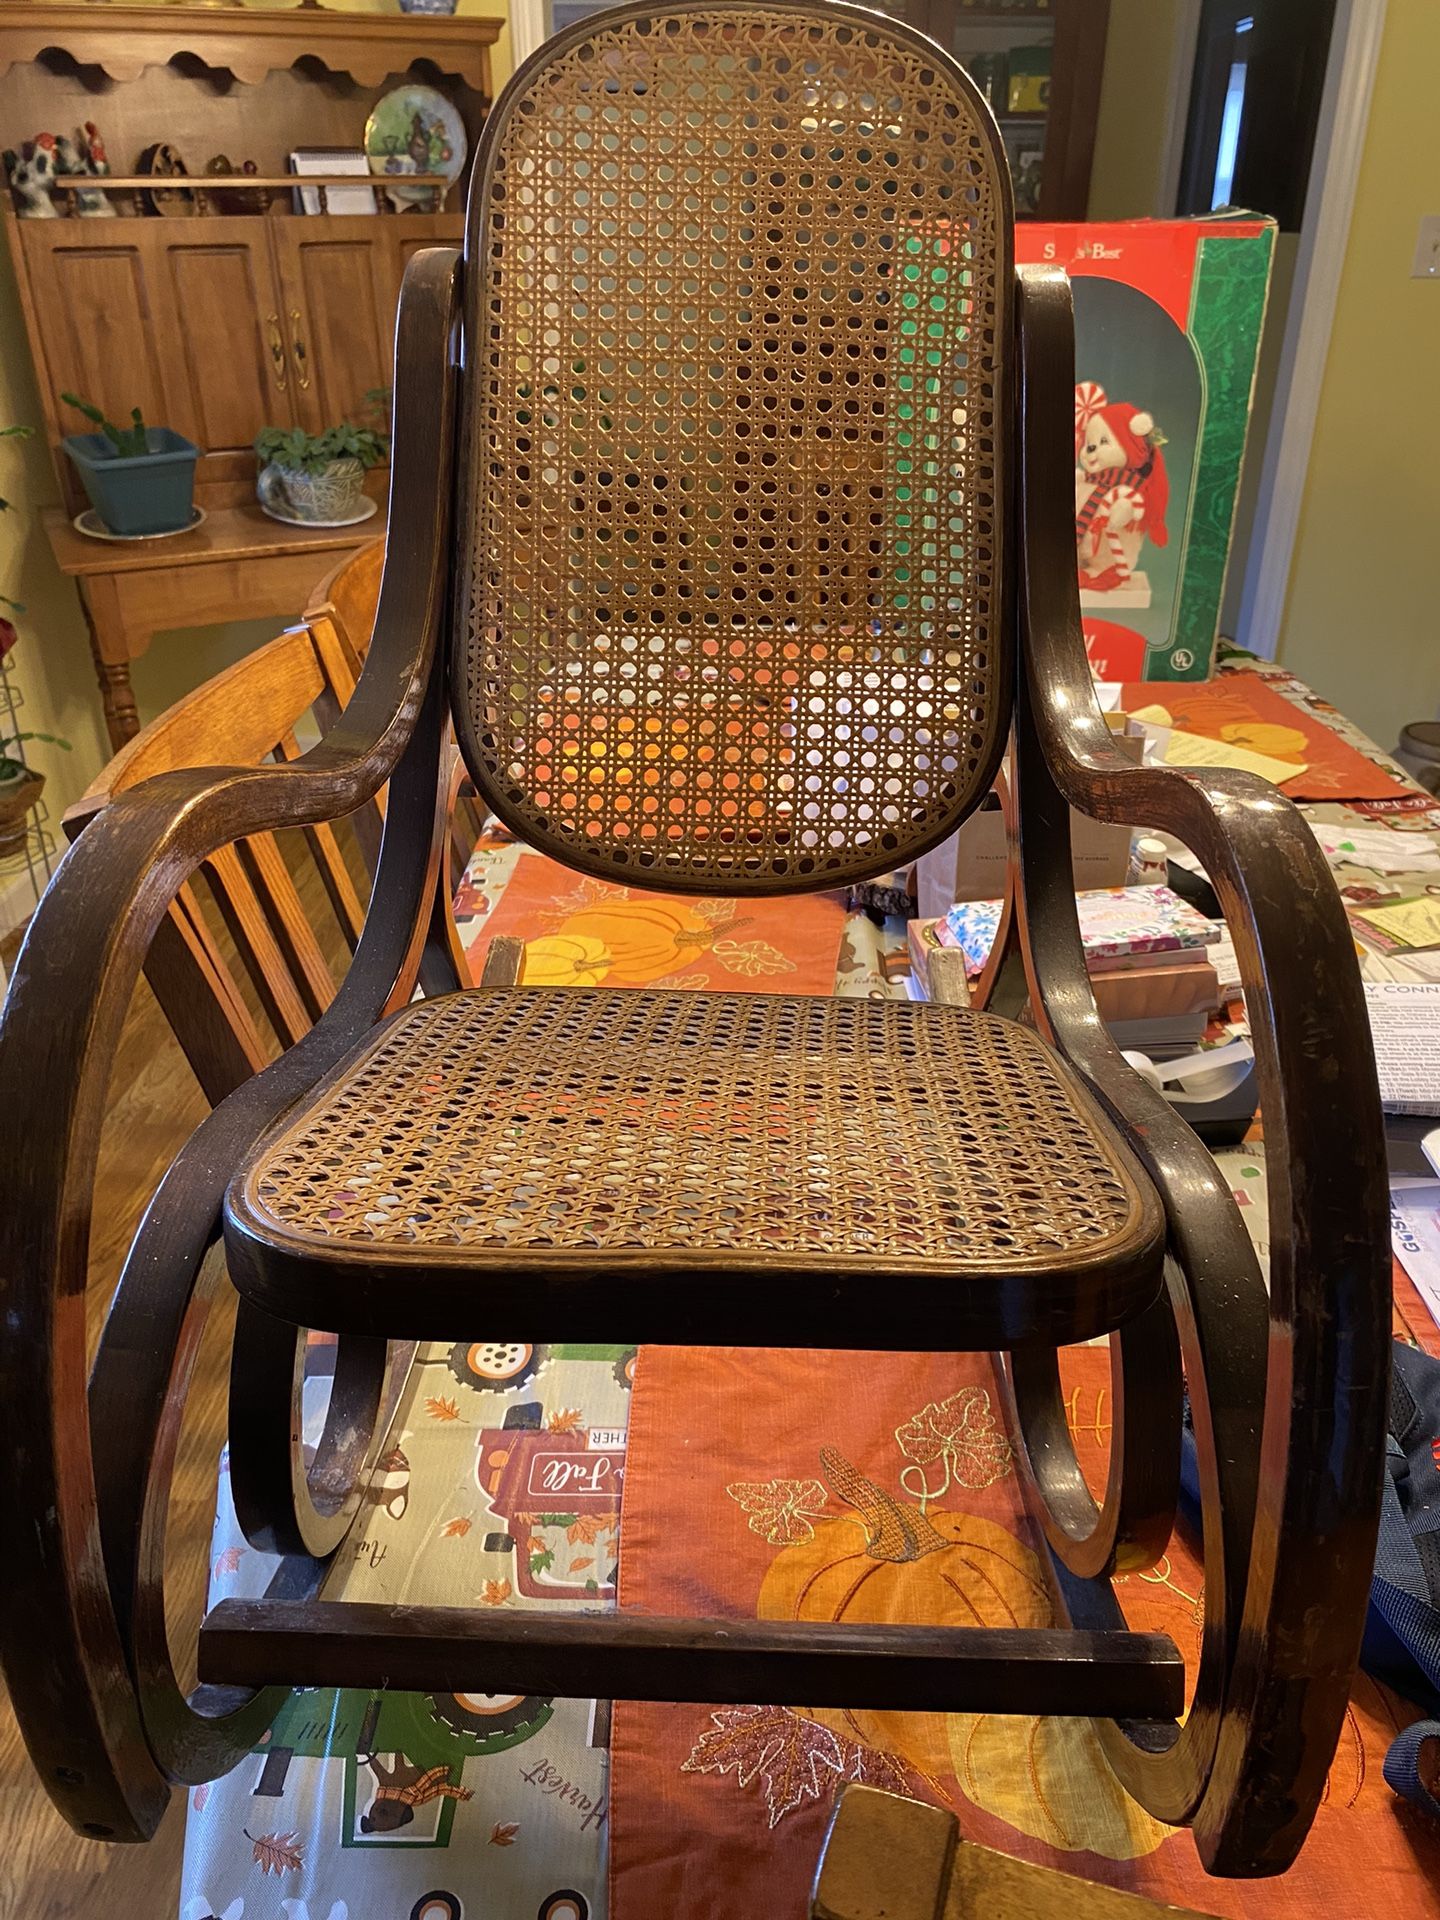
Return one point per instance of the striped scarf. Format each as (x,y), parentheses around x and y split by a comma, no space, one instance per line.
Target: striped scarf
(1105,484)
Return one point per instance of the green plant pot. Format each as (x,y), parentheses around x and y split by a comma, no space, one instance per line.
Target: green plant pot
(152,493)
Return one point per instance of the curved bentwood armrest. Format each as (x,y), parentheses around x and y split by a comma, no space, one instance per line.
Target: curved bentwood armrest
(68,1639)
(1289,1396)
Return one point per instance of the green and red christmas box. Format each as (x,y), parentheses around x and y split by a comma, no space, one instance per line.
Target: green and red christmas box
(1168,316)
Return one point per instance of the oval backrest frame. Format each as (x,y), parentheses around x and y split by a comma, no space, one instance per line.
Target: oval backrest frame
(854,710)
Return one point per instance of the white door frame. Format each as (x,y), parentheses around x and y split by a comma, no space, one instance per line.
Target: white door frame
(1324,235)
(527,28)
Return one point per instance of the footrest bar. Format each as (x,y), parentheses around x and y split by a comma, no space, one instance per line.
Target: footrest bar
(630,1656)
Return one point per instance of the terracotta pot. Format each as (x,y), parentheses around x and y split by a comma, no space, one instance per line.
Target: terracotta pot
(18,795)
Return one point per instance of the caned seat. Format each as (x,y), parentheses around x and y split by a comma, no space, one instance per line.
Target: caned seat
(742,1147)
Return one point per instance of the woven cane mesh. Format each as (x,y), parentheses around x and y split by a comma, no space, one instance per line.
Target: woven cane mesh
(730,614)
(540,1123)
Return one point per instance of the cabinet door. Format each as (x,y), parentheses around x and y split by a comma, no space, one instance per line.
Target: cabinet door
(224,343)
(98,319)
(407,234)
(336,295)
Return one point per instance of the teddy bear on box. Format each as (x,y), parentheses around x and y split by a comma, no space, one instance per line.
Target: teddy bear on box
(1121,496)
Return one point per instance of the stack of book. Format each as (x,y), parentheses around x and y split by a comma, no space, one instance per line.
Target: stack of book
(1146,949)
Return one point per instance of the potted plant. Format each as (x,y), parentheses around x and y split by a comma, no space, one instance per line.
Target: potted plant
(20,785)
(20,788)
(319,477)
(140,479)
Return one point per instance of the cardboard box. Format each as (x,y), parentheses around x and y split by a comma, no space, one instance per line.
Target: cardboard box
(1168,315)
(970,865)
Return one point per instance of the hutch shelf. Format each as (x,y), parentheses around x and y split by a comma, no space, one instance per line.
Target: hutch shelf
(215,323)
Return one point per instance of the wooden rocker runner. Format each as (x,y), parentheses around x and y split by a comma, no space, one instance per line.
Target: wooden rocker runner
(739,550)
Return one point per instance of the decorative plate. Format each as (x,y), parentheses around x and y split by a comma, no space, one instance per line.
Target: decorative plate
(367,508)
(415,129)
(90,524)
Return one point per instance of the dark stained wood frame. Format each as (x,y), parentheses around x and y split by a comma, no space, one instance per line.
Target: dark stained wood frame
(86,1706)
(1295,1386)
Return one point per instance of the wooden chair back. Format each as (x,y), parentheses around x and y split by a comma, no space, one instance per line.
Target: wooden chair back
(253,918)
(733,612)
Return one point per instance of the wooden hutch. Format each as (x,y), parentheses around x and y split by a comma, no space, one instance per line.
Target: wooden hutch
(215,323)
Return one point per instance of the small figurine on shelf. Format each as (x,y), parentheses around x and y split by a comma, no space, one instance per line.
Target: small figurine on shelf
(98,164)
(73,160)
(31,173)
(1122,492)
(235,199)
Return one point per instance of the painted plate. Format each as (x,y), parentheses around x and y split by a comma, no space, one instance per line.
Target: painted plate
(414,129)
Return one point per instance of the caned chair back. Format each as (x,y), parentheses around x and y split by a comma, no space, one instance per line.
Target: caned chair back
(732,610)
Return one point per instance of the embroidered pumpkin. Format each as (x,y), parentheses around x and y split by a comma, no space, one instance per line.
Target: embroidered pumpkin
(891,1562)
(645,939)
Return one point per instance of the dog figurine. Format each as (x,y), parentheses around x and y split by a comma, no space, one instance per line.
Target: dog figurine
(31,173)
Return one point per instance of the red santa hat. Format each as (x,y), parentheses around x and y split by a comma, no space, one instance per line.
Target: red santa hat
(1132,429)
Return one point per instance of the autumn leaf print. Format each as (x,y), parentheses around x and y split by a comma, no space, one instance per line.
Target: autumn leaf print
(778,1509)
(565,1420)
(503,1833)
(276,1852)
(457,1528)
(228,1561)
(442,1409)
(789,1755)
(494,1593)
(751,958)
(960,1433)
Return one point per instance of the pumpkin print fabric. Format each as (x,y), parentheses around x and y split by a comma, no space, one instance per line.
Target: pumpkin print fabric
(870,1487)
(589,933)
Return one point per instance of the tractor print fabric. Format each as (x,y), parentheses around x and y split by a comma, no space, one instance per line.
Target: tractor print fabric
(499,1486)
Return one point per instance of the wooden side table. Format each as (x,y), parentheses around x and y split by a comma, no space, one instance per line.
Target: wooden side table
(238,565)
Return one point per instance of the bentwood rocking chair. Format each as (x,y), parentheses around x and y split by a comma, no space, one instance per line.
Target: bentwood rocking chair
(730,520)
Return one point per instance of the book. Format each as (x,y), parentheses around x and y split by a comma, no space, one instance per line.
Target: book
(330,160)
(1159,991)
(1116,923)
(1160,1037)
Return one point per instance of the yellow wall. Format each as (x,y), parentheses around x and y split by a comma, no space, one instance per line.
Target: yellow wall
(52,662)
(1360,621)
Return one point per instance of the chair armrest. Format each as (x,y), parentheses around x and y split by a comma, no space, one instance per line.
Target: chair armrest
(59,1637)
(1328,1357)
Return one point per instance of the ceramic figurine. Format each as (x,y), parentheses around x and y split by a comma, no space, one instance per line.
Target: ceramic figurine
(235,199)
(99,165)
(1121,495)
(72,160)
(31,173)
